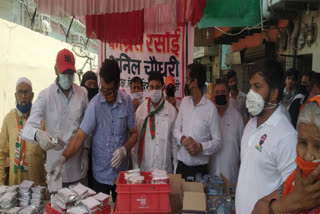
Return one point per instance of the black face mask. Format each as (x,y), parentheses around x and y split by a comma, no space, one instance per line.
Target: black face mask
(221,99)
(187,91)
(170,90)
(233,87)
(303,90)
(92,92)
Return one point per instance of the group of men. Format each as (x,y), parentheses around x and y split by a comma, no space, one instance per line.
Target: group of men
(193,136)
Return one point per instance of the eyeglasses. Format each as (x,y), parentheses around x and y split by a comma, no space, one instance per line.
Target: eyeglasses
(106,92)
(22,92)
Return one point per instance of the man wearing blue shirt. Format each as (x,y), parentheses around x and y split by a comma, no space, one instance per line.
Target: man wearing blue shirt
(110,119)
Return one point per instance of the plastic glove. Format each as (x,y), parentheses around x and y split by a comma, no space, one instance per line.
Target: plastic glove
(118,157)
(44,140)
(56,167)
(84,163)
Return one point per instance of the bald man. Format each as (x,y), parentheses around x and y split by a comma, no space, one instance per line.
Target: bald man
(29,161)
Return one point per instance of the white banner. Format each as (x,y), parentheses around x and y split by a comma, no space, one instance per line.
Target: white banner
(163,52)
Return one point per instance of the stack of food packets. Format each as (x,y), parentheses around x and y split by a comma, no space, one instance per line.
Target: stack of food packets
(25,193)
(63,200)
(90,204)
(103,199)
(159,176)
(134,177)
(8,200)
(80,190)
(37,196)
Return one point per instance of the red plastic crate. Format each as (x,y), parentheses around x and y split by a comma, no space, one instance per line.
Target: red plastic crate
(142,198)
(115,211)
(50,210)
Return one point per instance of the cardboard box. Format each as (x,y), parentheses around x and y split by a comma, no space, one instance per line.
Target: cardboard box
(186,196)
(175,193)
(194,202)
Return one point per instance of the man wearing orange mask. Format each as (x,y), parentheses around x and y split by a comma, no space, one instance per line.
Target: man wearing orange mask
(110,120)
(300,192)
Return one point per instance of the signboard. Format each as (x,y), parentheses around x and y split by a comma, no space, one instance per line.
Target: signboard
(163,52)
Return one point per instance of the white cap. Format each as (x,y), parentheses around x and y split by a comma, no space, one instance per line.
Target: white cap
(25,80)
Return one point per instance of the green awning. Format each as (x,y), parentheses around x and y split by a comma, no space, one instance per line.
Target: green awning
(231,13)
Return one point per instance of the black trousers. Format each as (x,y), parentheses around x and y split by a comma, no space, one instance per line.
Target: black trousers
(105,188)
(186,170)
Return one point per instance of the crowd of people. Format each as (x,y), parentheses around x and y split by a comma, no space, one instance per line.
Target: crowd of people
(266,141)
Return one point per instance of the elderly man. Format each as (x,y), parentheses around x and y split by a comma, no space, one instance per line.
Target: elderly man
(197,129)
(227,160)
(110,119)
(62,107)
(26,160)
(157,145)
(136,91)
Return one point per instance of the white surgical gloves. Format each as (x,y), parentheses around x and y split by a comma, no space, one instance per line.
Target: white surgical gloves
(56,167)
(44,140)
(118,157)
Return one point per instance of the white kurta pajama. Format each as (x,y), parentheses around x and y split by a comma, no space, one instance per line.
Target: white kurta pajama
(160,151)
(227,159)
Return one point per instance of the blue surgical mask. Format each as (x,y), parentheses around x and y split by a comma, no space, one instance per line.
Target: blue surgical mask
(66,80)
(24,109)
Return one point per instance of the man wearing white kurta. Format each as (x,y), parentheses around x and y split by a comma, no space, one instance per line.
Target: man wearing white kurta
(268,145)
(227,159)
(159,151)
(62,107)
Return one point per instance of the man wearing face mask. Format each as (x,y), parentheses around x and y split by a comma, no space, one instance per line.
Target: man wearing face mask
(29,164)
(89,81)
(110,119)
(227,159)
(62,107)
(268,144)
(301,97)
(170,89)
(136,91)
(197,129)
(155,120)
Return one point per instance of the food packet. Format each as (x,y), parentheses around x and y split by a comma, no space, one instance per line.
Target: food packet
(14,210)
(66,195)
(90,204)
(13,188)
(38,189)
(8,197)
(26,185)
(80,190)
(28,210)
(159,176)
(135,179)
(77,210)
(103,199)
(58,201)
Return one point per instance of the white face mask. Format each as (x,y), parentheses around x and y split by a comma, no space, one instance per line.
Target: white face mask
(255,103)
(66,80)
(138,96)
(155,95)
